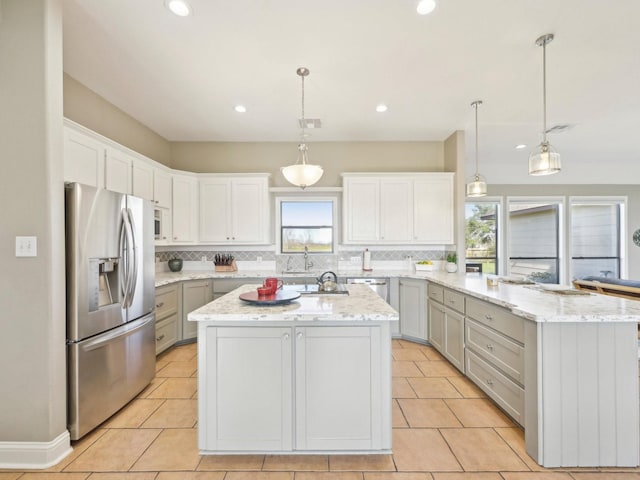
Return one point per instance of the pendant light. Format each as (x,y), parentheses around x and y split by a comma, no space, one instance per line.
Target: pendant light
(301,173)
(544,160)
(477,187)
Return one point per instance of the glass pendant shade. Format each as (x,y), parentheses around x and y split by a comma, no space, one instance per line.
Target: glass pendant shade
(544,161)
(302,174)
(477,187)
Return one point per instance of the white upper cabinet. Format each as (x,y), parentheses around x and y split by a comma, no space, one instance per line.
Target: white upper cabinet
(433,209)
(117,172)
(234,209)
(162,188)
(361,210)
(397,209)
(142,179)
(185,209)
(83,158)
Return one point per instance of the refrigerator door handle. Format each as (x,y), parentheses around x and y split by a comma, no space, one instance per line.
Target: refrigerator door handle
(117,334)
(123,267)
(134,250)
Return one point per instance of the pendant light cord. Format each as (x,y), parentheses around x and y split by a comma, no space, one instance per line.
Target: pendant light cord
(544,92)
(303,121)
(476,106)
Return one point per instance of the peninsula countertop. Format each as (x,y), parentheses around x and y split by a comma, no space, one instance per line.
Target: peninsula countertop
(361,304)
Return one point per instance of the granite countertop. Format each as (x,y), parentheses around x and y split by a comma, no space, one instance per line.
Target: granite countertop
(529,302)
(533,303)
(362,304)
(166,278)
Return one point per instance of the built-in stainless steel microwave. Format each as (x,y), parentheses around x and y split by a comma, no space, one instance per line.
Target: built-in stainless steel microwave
(157,224)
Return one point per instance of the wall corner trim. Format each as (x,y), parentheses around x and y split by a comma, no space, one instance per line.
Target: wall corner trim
(34,455)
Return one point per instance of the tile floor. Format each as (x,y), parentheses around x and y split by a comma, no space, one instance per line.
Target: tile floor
(444,429)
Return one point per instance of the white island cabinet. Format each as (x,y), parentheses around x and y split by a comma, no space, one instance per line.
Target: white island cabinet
(311,376)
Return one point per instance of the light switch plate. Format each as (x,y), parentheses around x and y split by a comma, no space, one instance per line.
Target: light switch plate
(26,246)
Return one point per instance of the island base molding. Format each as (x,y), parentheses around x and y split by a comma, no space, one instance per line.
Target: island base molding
(581,400)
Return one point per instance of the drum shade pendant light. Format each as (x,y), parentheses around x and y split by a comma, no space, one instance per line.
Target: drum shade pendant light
(302,174)
(477,187)
(544,160)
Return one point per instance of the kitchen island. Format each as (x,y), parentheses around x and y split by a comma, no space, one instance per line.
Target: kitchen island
(561,363)
(311,376)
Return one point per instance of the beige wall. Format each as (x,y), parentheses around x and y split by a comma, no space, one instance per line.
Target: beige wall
(32,294)
(454,161)
(334,157)
(87,108)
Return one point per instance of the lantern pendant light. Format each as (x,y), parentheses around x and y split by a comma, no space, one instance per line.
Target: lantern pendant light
(477,187)
(301,173)
(544,160)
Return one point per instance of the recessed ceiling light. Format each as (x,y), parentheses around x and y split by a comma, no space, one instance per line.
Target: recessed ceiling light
(425,7)
(381,108)
(179,7)
(520,146)
(240,108)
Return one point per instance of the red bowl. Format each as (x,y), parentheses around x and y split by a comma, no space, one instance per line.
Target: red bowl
(264,291)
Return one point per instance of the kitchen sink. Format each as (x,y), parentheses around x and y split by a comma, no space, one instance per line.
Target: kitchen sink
(313,289)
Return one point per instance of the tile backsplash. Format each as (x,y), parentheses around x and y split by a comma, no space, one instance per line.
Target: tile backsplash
(296,261)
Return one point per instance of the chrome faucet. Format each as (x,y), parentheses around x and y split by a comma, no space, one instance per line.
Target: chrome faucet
(307,263)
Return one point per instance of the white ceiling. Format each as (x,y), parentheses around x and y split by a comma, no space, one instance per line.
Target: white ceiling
(182,76)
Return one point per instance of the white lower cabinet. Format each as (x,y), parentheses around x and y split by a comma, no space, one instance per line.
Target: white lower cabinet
(249,381)
(338,386)
(284,389)
(195,293)
(436,325)
(413,309)
(167,311)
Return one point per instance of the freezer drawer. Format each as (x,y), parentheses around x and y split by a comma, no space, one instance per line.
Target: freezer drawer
(107,371)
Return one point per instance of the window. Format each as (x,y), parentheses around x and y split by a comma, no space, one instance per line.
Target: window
(481,233)
(305,223)
(534,240)
(595,239)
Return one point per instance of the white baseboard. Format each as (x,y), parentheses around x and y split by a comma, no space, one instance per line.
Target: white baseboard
(32,455)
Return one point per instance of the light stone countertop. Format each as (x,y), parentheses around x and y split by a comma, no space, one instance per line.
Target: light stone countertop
(166,278)
(362,304)
(530,302)
(522,300)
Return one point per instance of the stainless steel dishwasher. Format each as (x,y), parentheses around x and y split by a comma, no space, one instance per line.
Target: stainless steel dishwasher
(378,285)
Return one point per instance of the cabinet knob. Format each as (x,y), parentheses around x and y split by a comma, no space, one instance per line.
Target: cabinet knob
(160,338)
(160,305)
(488,317)
(157,201)
(299,335)
(227,238)
(286,336)
(489,381)
(164,238)
(175,238)
(489,346)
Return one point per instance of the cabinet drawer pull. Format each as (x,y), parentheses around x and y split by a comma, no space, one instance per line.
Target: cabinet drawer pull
(160,305)
(299,334)
(488,317)
(489,346)
(286,336)
(489,381)
(158,339)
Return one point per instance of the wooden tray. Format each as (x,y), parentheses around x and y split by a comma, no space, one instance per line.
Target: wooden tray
(279,298)
(227,268)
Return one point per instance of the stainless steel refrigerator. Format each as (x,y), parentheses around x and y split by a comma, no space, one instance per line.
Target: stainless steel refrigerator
(110,303)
